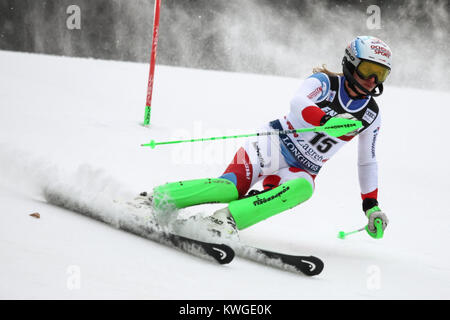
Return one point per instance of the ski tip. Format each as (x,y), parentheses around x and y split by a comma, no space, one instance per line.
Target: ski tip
(222,253)
(311,266)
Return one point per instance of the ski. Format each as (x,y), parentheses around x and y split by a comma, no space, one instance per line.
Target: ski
(220,253)
(307,265)
(141,225)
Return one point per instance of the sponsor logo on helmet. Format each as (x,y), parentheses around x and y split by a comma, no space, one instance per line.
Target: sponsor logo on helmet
(349,54)
(377,41)
(354,47)
(380,50)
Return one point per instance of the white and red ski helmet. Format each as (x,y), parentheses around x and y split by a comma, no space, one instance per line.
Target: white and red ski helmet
(366,48)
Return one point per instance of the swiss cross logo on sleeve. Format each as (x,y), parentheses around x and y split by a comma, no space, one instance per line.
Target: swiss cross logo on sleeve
(369,116)
(331,95)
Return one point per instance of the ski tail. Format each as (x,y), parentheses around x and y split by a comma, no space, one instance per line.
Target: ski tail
(123,218)
(307,265)
(220,253)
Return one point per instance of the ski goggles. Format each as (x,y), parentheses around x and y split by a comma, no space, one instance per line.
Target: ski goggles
(367,69)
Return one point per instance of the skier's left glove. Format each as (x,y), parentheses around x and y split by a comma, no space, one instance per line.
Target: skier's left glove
(378,222)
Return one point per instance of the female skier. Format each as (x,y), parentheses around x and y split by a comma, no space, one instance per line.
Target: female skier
(288,164)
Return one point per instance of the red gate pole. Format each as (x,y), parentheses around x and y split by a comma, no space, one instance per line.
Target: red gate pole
(148,104)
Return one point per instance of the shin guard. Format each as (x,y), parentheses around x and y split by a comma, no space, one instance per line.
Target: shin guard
(192,192)
(248,211)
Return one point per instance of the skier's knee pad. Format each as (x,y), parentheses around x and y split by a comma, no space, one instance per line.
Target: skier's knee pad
(187,193)
(248,211)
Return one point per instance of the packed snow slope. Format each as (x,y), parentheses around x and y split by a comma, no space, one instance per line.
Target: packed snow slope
(76,122)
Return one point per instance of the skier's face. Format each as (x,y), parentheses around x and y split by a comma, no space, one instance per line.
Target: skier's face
(368,84)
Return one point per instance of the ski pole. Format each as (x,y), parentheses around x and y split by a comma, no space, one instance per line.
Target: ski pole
(376,235)
(335,127)
(342,234)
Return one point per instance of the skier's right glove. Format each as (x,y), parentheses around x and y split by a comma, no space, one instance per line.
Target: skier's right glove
(378,222)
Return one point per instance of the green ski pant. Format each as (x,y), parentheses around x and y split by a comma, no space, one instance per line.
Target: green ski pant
(246,211)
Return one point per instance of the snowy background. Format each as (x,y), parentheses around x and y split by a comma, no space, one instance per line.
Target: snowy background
(282,37)
(74,123)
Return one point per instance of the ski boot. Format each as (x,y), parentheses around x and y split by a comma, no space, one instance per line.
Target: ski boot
(218,227)
(222,225)
(143,200)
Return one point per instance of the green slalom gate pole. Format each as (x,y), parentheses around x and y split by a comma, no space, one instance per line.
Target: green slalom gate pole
(335,127)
